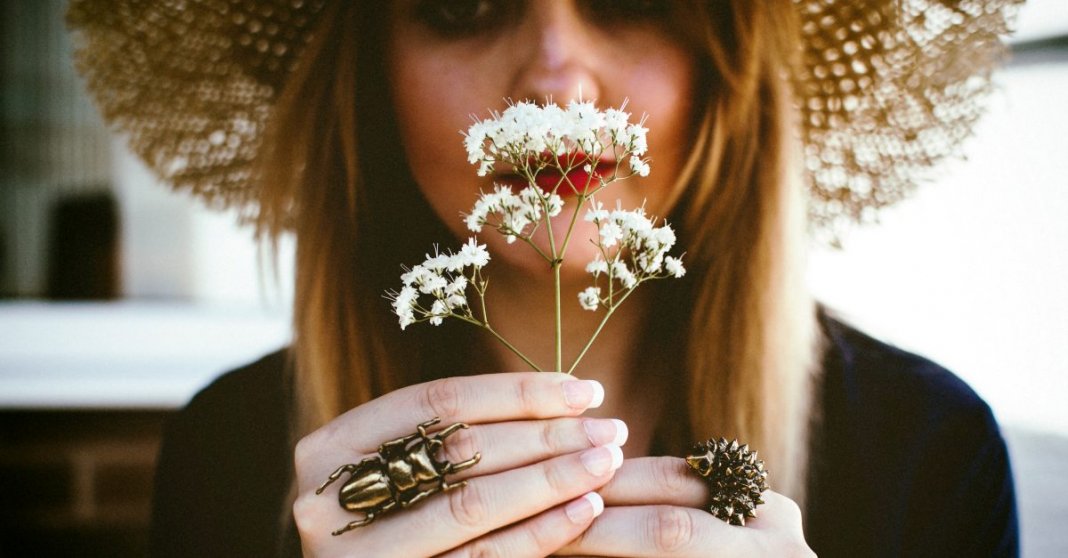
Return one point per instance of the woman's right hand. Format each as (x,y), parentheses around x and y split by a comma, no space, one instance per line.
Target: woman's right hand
(531,493)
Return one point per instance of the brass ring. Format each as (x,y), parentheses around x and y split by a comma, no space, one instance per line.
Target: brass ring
(404,473)
(736,478)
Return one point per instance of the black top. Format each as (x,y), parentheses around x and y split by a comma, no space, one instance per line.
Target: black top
(910,462)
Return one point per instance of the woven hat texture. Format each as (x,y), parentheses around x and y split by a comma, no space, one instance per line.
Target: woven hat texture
(887,88)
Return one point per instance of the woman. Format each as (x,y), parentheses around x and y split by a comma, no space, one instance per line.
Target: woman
(881,452)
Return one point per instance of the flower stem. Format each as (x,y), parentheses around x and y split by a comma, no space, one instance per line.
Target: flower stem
(600,326)
(510,346)
(559,330)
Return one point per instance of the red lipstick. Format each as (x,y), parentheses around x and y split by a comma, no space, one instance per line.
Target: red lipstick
(578,180)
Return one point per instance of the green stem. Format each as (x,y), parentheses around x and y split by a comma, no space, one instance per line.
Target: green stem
(559,328)
(600,326)
(511,347)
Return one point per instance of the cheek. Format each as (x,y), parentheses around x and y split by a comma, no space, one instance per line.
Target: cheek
(430,115)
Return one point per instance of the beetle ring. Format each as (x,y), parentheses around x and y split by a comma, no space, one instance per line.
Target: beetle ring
(404,473)
(735,476)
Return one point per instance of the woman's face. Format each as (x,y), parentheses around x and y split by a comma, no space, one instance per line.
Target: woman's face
(453,59)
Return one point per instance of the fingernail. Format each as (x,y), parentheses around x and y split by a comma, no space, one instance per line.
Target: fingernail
(599,461)
(600,431)
(583,394)
(585,508)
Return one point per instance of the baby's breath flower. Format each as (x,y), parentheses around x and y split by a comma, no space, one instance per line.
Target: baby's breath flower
(473,254)
(443,276)
(674,266)
(525,133)
(623,274)
(597,266)
(639,166)
(633,248)
(513,215)
(590,298)
(610,233)
(528,140)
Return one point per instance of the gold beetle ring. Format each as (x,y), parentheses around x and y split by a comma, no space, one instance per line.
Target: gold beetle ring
(404,473)
(736,478)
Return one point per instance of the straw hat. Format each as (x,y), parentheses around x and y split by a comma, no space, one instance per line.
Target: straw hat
(887,88)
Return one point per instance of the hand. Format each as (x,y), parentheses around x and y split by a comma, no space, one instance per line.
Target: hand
(526,497)
(653,509)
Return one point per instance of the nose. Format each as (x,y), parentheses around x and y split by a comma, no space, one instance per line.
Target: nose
(556,54)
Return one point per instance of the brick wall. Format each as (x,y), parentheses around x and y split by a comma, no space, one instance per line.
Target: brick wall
(77,482)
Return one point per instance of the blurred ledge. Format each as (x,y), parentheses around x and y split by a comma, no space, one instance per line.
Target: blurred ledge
(127,354)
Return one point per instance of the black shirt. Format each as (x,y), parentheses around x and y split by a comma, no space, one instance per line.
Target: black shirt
(908,461)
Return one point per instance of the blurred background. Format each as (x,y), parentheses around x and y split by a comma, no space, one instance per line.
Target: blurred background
(120,299)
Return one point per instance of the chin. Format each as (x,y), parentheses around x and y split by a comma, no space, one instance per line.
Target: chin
(521,258)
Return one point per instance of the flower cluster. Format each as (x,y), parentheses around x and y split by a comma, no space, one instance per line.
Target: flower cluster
(441,276)
(527,139)
(633,250)
(530,137)
(512,214)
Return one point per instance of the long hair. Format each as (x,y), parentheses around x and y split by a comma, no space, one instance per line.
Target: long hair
(333,172)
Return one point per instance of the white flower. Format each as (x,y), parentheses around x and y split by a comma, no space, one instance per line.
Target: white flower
(639,166)
(474,254)
(590,298)
(456,301)
(674,266)
(402,305)
(525,129)
(597,213)
(597,266)
(443,277)
(474,222)
(438,311)
(636,136)
(623,274)
(615,122)
(457,286)
(610,233)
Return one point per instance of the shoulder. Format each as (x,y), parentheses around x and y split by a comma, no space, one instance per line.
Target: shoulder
(904,444)
(241,415)
(876,379)
(223,466)
(263,383)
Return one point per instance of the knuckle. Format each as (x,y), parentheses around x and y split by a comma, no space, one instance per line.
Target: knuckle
(556,480)
(483,548)
(527,394)
(444,398)
(549,435)
(672,529)
(669,475)
(468,506)
(461,445)
(792,510)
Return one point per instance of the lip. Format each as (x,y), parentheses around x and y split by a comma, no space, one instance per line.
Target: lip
(550,179)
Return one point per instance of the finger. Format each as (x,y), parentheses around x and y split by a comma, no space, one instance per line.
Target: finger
(489,502)
(538,536)
(470,399)
(508,445)
(655,531)
(656,480)
(777,512)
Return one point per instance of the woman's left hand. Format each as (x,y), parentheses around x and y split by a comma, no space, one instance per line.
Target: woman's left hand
(652,508)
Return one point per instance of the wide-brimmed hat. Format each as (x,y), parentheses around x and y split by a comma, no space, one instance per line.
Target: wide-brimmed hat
(886,88)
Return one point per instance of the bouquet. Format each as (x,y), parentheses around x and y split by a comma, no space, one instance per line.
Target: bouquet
(578,150)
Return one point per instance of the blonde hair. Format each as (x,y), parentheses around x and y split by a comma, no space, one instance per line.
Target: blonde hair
(330,169)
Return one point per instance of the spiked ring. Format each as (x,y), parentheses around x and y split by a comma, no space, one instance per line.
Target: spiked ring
(735,476)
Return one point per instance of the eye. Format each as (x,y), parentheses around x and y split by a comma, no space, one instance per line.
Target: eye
(457,18)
